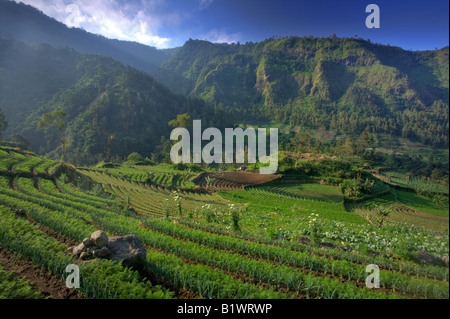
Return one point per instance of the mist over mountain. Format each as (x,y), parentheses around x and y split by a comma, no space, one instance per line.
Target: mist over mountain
(101,97)
(26,23)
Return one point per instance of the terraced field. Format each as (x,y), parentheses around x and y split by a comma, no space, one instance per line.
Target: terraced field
(312,191)
(163,175)
(189,257)
(152,200)
(231,180)
(406,207)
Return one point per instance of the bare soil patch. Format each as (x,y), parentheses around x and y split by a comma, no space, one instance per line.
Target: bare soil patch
(231,180)
(50,285)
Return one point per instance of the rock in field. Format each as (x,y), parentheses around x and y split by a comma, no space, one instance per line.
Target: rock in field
(445,260)
(128,249)
(99,238)
(87,242)
(424,258)
(78,250)
(101,253)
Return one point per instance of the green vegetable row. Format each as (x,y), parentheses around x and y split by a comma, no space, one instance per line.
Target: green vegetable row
(340,268)
(100,279)
(408,268)
(27,165)
(197,278)
(268,272)
(49,187)
(13,287)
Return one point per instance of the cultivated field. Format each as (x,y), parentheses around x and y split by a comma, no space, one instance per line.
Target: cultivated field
(286,240)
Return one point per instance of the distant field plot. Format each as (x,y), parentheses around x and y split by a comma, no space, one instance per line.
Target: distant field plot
(415,183)
(312,191)
(409,208)
(422,204)
(231,180)
(264,199)
(152,200)
(163,175)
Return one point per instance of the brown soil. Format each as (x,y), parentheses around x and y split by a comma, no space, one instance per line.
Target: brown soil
(409,211)
(311,156)
(233,180)
(50,286)
(61,238)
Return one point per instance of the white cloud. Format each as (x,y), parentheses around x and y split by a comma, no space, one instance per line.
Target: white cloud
(203,4)
(131,21)
(217,36)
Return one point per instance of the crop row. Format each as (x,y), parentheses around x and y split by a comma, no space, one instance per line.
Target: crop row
(67,189)
(313,191)
(110,221)
(100,279)
(264,271)
(6,163)
(201,279)
(48,187)
(342,269)
(260,270)
(151,195)
(114,223)
(308,261)
(27,165)
(191,252)
(206,282)
(324,264)
(409,268)
(13,287)
(26,186)
(44,167)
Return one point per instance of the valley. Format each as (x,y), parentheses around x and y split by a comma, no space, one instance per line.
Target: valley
(357,163)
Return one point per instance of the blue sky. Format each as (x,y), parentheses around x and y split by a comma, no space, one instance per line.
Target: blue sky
(412,25)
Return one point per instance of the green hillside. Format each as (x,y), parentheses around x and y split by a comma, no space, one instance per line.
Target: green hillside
(357,84)
(101,97)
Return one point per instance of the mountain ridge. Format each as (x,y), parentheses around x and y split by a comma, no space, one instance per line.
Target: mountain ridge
(27,24)
(101,97)
(358,84)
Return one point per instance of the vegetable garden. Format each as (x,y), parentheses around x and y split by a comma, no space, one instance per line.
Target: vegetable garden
(193,247)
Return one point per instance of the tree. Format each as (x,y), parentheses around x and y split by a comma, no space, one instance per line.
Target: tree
(56,119)
(108,147)
(301,142)
(382,214)
(436,175)
(3,123)
(135,157)
(182,120)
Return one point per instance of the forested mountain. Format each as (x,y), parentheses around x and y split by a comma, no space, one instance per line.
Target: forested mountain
(345,85)
(27,24)
(104,100)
